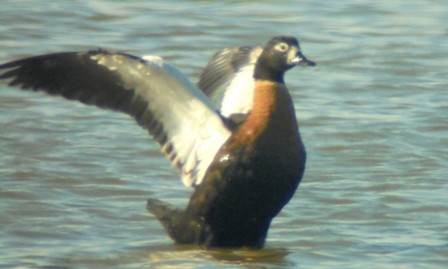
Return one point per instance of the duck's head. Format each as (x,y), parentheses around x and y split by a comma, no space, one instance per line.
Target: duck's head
(280,54)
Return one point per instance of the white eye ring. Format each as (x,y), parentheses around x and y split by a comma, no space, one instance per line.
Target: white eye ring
(282,47)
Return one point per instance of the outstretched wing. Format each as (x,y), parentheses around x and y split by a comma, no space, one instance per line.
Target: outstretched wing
(162,100)
(228,81)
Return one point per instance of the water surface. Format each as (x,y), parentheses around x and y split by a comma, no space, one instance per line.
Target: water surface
(373,114)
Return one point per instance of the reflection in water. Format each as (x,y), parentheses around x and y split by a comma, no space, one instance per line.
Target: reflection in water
(182,257)
(265,258)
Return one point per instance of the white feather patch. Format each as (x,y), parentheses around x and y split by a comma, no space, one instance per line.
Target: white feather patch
(238,97)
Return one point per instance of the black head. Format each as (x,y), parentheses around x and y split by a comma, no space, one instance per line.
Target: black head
(279,55)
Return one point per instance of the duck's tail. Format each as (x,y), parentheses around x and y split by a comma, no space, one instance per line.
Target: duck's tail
(164,212)
(181,227)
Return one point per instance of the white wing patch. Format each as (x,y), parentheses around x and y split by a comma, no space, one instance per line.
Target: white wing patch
(238,97)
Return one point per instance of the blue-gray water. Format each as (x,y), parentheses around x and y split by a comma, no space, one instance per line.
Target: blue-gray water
(373,114)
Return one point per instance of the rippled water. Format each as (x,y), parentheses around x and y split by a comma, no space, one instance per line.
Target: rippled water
(374,116)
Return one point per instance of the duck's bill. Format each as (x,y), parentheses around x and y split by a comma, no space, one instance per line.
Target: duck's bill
(301,60)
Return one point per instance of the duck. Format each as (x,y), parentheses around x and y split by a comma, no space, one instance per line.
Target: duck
(233,136)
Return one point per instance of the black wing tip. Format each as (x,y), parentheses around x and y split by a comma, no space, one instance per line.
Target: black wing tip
(97,51)
(39,59)
(46,56)
(11,64)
